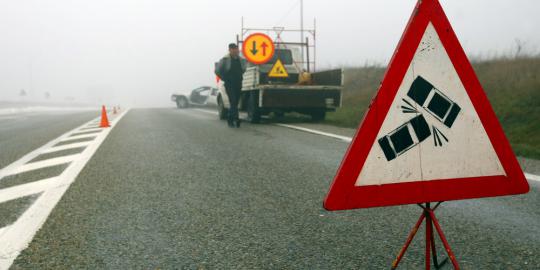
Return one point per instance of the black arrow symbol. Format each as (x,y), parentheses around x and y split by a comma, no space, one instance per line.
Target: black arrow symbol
(254,50)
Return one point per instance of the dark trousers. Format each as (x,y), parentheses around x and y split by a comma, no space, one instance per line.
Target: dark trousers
(233,90)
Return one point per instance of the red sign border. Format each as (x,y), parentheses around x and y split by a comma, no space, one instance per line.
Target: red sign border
(251,60)
(344,194)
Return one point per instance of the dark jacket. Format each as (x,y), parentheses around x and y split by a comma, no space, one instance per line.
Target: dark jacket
(224,66)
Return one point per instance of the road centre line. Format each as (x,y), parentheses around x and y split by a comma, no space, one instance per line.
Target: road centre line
(16,237)
(529,176)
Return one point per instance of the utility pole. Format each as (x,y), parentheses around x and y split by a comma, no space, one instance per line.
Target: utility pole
(302,29)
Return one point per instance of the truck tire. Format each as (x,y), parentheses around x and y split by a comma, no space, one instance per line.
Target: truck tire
(181,103)
(222,111)
(318,115)
(253,112)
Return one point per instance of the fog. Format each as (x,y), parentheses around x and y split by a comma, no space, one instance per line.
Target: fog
(136,53)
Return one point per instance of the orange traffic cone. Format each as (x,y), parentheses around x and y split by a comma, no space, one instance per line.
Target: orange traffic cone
(104,119)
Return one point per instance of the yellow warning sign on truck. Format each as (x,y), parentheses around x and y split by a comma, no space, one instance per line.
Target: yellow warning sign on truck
(278,71)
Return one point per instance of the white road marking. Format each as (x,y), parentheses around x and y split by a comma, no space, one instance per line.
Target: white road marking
(65,147)
(3,229)
(23,190)
(42,164)
(84,132)
(83,136)
(532,177)
(91,126)
(529,176)
(318,132)
(16,237)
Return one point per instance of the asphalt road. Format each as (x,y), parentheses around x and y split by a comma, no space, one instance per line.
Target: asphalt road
(177,189)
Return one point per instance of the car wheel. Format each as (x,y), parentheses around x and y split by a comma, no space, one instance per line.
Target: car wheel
(254,114)
(222,111)
(181,103)
(318,115)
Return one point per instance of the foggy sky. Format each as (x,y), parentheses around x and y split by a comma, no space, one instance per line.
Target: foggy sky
(136,53)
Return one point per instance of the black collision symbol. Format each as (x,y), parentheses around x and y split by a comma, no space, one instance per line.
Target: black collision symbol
(417,129)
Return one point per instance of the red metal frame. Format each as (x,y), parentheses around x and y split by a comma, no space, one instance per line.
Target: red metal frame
(344,194)
(429,215)
(272,46)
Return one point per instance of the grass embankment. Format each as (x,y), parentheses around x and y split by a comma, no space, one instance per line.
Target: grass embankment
(511,84)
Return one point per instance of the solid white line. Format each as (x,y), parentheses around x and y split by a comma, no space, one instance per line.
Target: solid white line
(317,132)
(42,164)
(66,146)
(20,233)
(343,138)
(15,192)
(532,177)
(205,111)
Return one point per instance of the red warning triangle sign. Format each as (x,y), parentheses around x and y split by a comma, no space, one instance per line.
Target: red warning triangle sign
(430,133)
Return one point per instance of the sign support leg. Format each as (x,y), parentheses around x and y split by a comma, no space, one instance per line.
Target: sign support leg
(429,215)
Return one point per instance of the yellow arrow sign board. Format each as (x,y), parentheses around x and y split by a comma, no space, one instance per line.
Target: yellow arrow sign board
(278,71)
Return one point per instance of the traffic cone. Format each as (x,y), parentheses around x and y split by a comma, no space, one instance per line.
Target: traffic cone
(104,119)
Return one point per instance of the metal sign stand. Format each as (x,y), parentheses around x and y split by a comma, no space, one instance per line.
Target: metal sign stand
(429,215)
(307,63)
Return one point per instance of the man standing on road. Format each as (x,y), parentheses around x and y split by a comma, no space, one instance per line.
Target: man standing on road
(231,69)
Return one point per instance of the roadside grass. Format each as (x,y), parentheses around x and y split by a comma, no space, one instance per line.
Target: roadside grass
(511,84)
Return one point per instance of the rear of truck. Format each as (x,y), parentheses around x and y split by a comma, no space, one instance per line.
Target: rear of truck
(313,94)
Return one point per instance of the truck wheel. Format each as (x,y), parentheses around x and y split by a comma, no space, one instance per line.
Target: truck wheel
(222,111)
(181,103)
(254,115)
(318,115)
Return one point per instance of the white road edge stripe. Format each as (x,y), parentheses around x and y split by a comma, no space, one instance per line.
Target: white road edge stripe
(343,138)
(18,235)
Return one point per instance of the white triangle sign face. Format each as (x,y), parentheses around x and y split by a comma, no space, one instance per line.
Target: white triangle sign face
(430,133)
(428,149)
